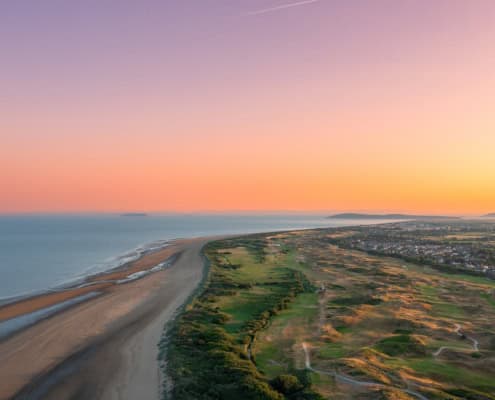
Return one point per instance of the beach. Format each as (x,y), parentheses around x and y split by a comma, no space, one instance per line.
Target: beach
(104,347)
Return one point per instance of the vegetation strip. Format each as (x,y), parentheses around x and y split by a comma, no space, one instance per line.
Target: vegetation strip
(208,352)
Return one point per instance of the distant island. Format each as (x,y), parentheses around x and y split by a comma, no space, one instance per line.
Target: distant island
(491,215)
(134,215)
(388,216)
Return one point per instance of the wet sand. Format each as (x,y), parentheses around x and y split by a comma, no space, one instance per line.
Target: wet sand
(96,282)
(105,348)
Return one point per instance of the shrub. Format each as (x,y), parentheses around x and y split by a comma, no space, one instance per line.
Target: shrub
(287,384)
(401,344)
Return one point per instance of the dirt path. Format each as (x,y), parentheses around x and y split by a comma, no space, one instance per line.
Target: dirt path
(457,330)
(351,381)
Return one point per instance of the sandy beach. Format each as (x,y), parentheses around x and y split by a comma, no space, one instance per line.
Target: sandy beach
(106,347)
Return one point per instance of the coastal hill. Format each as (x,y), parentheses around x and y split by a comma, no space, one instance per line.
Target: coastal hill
(388,216)
(490,215)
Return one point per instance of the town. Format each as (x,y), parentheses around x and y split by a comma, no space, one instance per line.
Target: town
(454,246)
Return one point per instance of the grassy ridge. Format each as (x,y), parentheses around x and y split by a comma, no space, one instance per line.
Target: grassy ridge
(209,353)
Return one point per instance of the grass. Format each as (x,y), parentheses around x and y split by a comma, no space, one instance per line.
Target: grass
(332,350)
(250,270)
(288,328)
(460,345)
(467,278)
(355,300)
(344,329)
(459,277)
(489,298)
(448,310)
(242,307)
(453,374)
(429,292)
(304,309)
(262,279)
(400,345)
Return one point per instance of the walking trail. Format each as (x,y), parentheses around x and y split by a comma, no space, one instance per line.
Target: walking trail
(352,381)
(457,330)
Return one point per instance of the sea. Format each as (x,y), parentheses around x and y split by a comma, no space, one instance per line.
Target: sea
(42,252)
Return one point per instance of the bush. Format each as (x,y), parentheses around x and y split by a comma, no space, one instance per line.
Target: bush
(469,394)
(401,344)
(286,384)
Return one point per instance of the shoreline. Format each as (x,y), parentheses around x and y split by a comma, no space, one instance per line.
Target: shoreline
(88,278)
(23,304)
(103,337)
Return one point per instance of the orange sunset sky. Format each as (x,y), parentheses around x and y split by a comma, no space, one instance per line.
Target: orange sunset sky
(221,105)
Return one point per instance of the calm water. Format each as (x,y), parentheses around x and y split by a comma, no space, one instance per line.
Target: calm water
(40,252)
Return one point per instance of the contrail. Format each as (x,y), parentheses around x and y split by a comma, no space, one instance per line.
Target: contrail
(282,7)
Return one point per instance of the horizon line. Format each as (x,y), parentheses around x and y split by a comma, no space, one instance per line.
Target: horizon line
(240,211)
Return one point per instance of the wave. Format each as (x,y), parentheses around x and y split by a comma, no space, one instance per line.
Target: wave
(122,259)
(140,274)
(105,267)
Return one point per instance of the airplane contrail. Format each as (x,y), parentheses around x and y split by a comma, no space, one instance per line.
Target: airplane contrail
(281,7)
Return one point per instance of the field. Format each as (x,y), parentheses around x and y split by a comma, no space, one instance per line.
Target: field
(291,315)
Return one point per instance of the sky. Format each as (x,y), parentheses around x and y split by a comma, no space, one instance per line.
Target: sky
(246,105)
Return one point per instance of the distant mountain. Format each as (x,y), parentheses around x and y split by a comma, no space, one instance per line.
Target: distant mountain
(491,215)
(388,216)
(134,215)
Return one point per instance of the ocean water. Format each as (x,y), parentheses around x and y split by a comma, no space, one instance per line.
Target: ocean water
(39,252)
